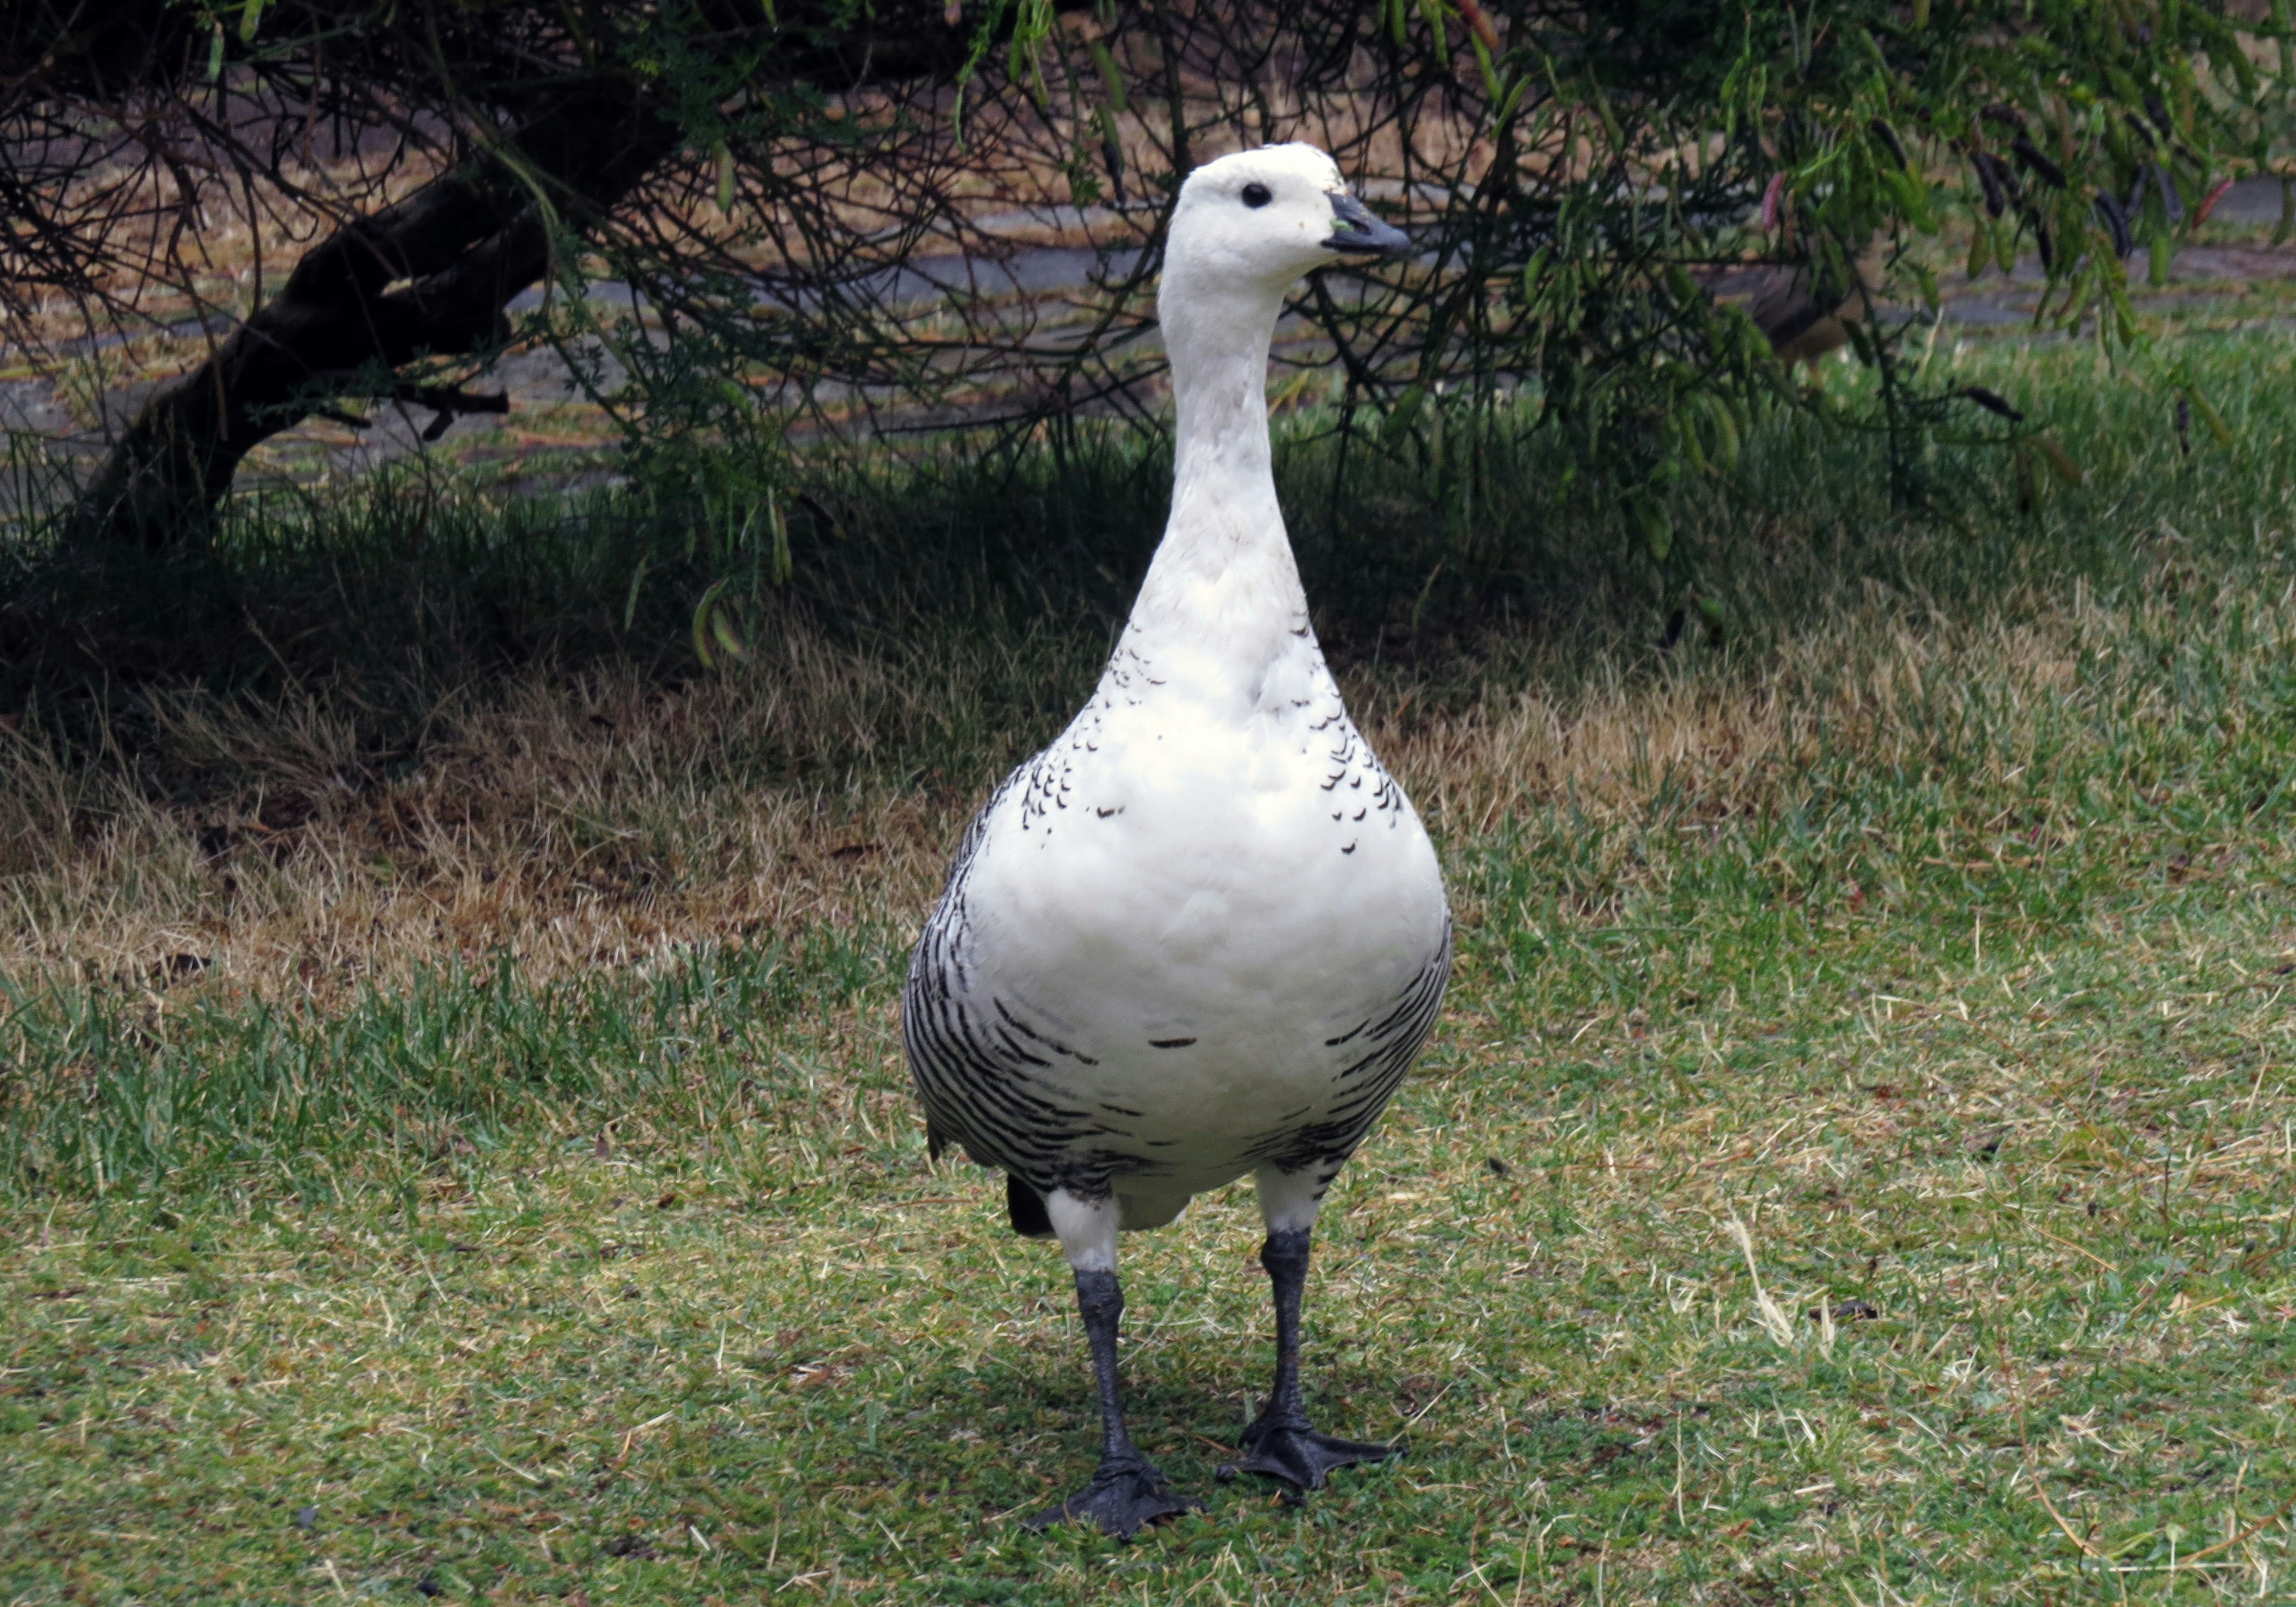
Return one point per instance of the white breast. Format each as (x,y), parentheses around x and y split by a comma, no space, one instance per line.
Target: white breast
(1198,896)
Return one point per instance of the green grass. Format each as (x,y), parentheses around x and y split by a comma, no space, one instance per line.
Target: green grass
(1939,928)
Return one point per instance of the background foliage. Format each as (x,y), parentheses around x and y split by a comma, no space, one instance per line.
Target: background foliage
(837,215)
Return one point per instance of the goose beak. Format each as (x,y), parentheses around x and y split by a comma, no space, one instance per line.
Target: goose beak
(1355,229)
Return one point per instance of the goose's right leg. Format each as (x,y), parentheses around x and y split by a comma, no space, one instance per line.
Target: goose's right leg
(1126,1490)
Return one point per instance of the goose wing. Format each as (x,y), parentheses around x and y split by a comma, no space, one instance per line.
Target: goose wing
(971,1054)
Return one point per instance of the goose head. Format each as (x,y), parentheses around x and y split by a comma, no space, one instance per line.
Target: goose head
(1249,226)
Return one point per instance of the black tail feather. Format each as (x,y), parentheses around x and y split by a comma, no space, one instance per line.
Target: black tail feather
(1025,1208)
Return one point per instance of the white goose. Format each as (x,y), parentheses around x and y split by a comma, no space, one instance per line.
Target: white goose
(1202,933)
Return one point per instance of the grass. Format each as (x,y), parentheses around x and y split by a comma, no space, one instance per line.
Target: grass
(1855,1166)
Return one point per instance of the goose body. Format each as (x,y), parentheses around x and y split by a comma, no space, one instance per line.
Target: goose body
(1203,933)
(1200,933)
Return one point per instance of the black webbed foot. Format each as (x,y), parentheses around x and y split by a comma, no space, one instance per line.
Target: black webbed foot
(1121,1498)
(1301,1456)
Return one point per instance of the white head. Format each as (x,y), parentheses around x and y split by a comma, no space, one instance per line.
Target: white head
(1263,217)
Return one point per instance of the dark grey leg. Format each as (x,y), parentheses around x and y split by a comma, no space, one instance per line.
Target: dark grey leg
(1280,1442)
(1126,1490)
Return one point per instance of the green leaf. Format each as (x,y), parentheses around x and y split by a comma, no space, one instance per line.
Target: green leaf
(215,54)
(1432,10)
(1111,78)
(1656,527)
(702,612)
(2077,303)
(1531,272)
(1728,436)
(1512,101)
(1491,85)
(249,20)
(2157,265)
(721,627)
(1403,415)
(630,603)
(725,176)
(2229,52)
(779,524)
(1913,198)
(1611,129)
(1683,430)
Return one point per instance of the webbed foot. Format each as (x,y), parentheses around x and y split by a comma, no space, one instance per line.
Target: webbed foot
(1121,1498)
(1301,1456)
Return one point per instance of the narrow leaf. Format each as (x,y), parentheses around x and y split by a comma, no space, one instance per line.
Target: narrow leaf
(630,603)
(1491,85)
(779,523)
(1928,282)
(1400,417)
(1112,76)
(721,627)
(1657,529)
(702,632)
(2060,460)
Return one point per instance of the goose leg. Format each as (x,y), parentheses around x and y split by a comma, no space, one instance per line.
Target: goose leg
(1127,1489)
(1281,1443)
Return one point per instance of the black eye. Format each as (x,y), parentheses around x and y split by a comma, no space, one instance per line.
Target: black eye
(1256,195)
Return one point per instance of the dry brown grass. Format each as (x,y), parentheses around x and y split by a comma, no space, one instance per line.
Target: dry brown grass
(573,822)
(1875,684)
(599,819)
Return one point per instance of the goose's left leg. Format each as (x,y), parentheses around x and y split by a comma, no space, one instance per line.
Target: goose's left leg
(1281,1443)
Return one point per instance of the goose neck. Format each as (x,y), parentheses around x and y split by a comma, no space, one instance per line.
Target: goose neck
(1219,352)
(1221,604)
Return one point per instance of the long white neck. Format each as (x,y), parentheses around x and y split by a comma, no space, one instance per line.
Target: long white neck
(1218,348)
(1223,581)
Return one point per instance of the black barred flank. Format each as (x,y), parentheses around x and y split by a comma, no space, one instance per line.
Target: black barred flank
(977,1067)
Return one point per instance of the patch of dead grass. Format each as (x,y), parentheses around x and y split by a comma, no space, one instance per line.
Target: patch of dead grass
(599,819)
(572,821)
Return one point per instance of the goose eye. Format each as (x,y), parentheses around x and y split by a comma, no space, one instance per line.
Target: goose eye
(1256,195)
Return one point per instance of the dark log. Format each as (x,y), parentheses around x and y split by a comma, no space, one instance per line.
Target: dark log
(459,250)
